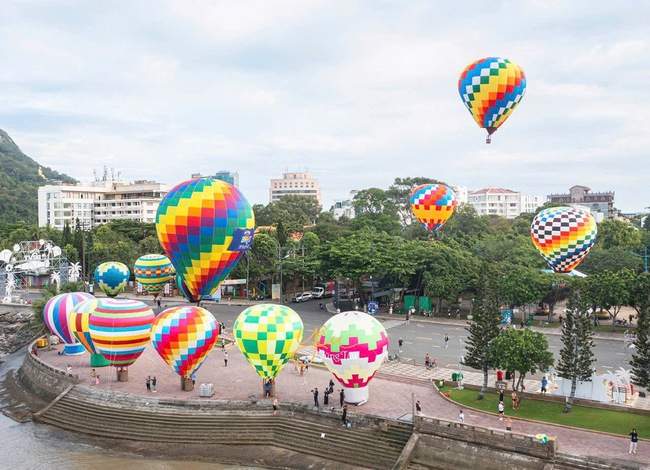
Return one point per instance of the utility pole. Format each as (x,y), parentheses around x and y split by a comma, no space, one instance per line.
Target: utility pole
(645,258)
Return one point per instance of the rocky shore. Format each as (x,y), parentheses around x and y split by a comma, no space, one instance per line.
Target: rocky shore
(16,328)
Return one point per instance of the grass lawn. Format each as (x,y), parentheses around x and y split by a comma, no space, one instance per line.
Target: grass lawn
(615,422)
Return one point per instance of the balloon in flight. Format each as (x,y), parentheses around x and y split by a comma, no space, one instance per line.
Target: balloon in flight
(433,204)
(491,88)
(563,236)
(204,226)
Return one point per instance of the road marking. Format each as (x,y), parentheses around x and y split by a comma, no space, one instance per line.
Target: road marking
(607,367)
(621,354)
(426,339)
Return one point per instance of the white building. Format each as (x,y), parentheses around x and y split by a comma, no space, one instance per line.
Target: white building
(461,194)
(296,184)
(503,202)
(98,203)
(343,207)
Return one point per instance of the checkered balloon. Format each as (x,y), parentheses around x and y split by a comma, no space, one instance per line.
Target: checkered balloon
(183,337)
(491,88)
(268,335)
(433,204)
(204,226)
(112,277)
(152,272)
(564,236)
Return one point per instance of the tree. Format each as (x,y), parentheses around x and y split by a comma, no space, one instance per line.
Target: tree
(522,286)
(611,290)
(483,329)
(399,193)
(619,233)
(524,351)
(613,259)
(576,355)
(641,359)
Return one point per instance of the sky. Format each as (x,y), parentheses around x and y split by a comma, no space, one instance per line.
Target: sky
(356,93)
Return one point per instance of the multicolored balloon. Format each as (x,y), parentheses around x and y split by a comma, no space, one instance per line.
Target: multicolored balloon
(183,337)
(268,335)
(112,277)
(564,236)
(204,226)
(79,318)
(185,292)
(491,88)
(56,315)
(152,272)
(120,329)
(353,346)
(433,204)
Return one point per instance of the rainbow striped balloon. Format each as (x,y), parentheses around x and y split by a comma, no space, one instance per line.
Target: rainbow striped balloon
(491,88)
(433,204)
(152,272)
(79,317)
(112,277)
(120,329)
(183,337)
(204,226)
(56,314)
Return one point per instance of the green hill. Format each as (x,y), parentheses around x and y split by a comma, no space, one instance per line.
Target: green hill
(19,182)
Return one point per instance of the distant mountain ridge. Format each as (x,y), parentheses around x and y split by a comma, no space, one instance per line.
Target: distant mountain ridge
(20,178)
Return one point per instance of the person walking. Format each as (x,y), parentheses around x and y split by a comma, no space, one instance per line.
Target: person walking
(153,384)
(634,439)
(407,318)
(501,395)
(158,302)
(147,382)
(446,340)
(96,382)
(508,423)
(344,416)
(515,399)
(225,358)
(418,408)
(544,384)
(461,416)
(315,392)
(331,386)
(400,342)
(341,397)
(275,406)
(427,360)
(267,388)
(501,409)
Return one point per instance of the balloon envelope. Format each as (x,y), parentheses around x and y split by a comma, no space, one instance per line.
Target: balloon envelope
(185,292)
(433,204)
(353,346)
(79,317)
(112,277)
(491,88)
(152,272)
(56,314)
(204,226)
(563,236)
(268,335)
(183,337)
(120,329)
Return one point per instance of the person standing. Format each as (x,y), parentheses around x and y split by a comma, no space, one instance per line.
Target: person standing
(193,377)
(427,360)
(344,416)
(326,397)
(267,388)
(513,395)
(418,408)
(153,384)
(544,384)
(341,397)
(408,318)
(446,340)
(315,392)
(275,406)
(461,416)
(501,409)
(331,386)
(147,382)
(634,439)
(508,424)
(158,302)
(96,383)
(225,358)
(400,342)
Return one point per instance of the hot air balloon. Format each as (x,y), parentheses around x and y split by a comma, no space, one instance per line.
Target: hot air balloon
(433,204)
(56,315)
(152,272)
(185,292)
(112,277)
(120,330)
(353,346)
(564,236)
(204,226)
(491,88)
(79,317)
(183,337)
(268,335)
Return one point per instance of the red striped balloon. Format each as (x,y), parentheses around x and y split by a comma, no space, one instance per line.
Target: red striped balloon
(120,329)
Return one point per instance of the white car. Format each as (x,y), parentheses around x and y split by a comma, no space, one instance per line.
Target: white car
(302,297)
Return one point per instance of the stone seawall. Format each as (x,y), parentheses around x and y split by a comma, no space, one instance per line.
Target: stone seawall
(42,379)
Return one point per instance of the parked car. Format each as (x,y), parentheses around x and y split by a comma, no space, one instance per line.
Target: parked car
(302,297)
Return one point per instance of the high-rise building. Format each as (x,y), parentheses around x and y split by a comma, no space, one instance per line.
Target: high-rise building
(228,177)
(343,207)
(297,184)
(597,203)
(503,202)
(98,203)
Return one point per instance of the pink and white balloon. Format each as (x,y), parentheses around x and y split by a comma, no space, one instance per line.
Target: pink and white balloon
(353,346)
(56,315)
